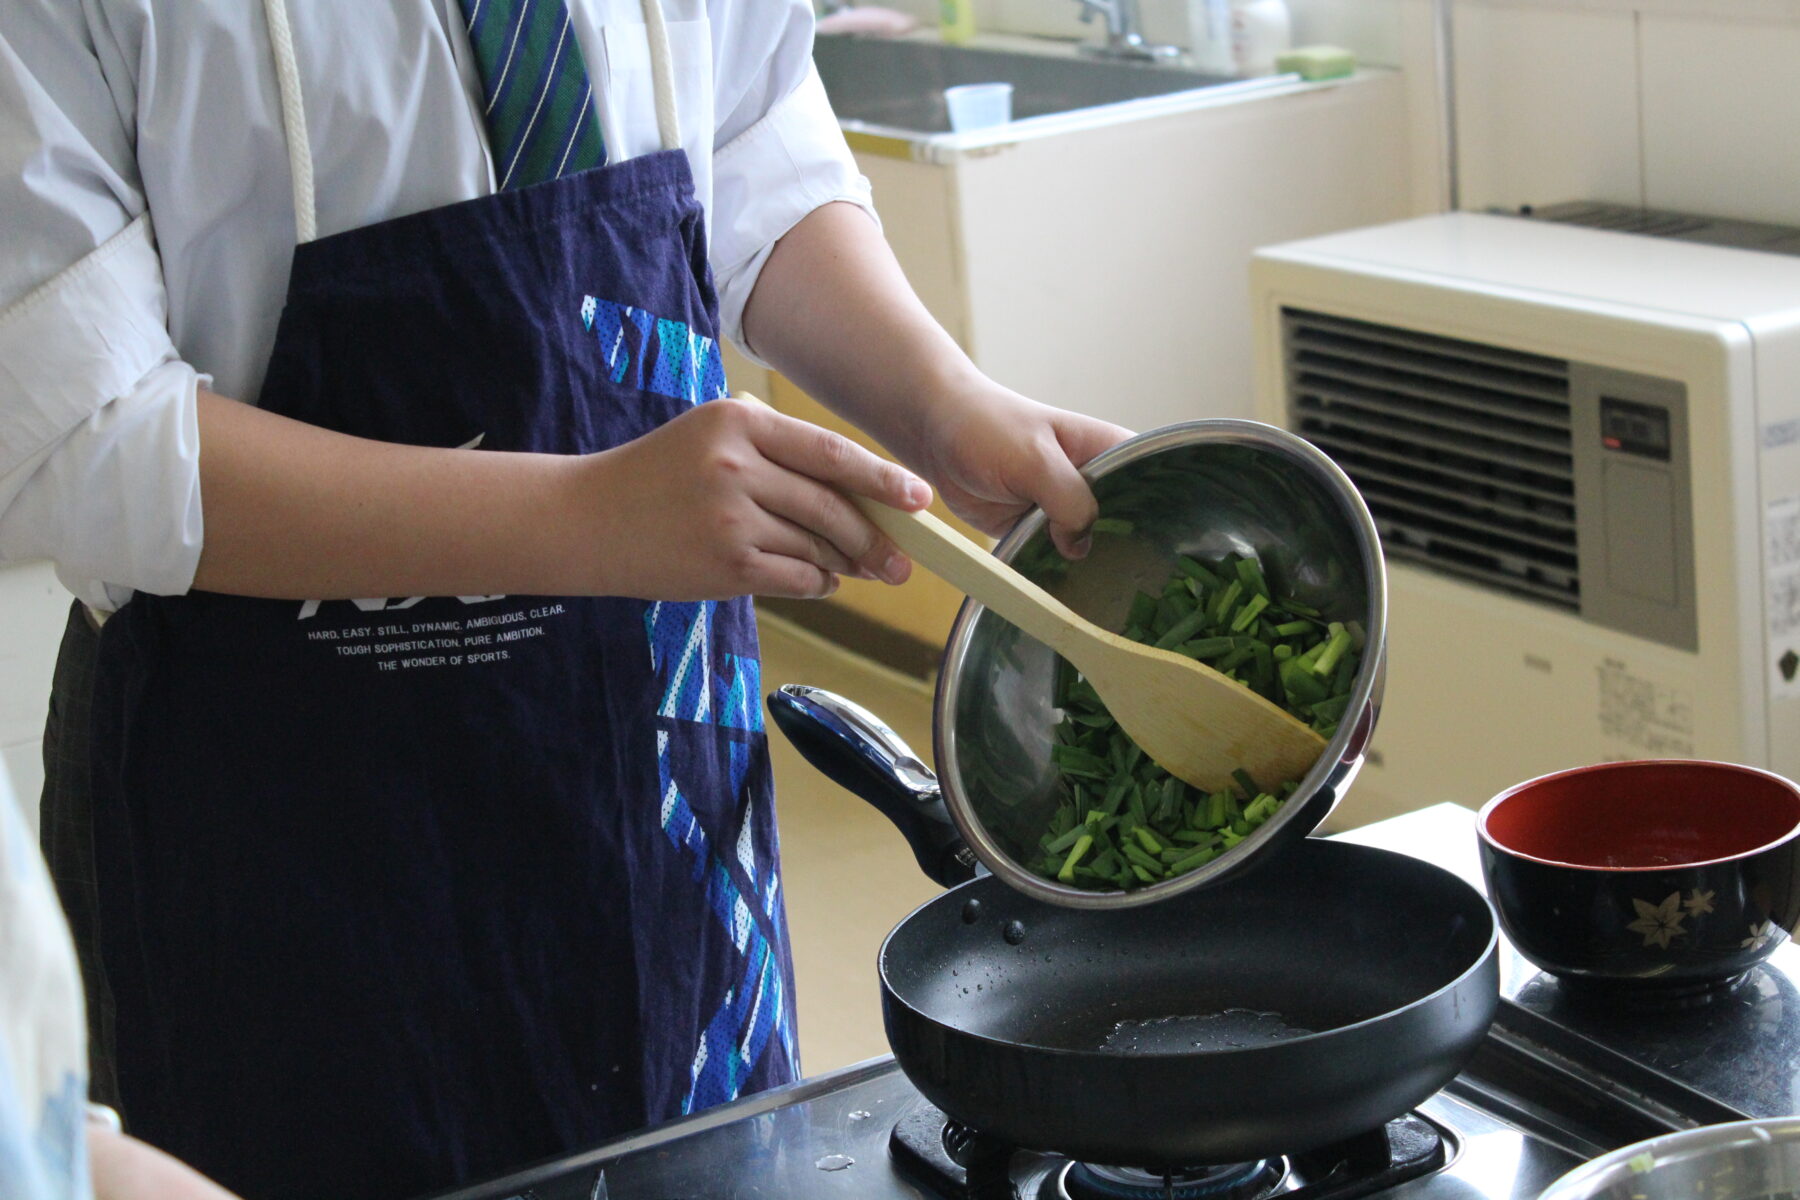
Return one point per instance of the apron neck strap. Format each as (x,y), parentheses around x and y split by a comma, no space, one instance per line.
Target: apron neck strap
(293,118)
(662,76)
(293,106)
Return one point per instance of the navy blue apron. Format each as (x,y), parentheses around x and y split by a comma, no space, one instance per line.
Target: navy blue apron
(397,893)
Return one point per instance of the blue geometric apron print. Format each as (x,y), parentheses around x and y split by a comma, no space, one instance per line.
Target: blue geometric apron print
(710,710)
(683,366)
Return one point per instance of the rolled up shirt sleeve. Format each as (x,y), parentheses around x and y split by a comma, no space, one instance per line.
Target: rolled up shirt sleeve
(99,445)
(780,153)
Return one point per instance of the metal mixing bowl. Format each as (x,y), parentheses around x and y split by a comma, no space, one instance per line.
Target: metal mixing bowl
(1741,1160)
(1201,488)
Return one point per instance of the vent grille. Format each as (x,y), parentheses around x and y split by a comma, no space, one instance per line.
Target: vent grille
(1461,450)
(1681,227)
(1643,221)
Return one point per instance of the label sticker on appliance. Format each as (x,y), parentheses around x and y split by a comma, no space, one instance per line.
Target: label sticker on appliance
(1650,719)
(1781,594)
(1777,434)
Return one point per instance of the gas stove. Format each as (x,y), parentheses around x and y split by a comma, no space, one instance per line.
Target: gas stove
(942,1158)
(1558,1080)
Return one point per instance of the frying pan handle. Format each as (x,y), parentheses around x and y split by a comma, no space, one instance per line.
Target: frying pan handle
(856,751)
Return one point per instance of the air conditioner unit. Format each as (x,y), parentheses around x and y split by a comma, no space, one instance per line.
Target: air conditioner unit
(1582,449)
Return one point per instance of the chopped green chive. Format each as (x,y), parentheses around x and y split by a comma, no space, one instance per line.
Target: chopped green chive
(1123,821)
(1082,844)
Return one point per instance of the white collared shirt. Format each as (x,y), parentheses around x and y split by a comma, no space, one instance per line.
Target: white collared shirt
(147,219)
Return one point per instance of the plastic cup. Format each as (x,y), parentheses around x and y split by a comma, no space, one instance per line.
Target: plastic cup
(978,105)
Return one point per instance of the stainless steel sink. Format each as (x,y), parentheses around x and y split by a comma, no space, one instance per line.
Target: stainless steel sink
(900,84)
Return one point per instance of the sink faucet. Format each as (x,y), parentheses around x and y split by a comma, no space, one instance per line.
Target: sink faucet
(1123,38)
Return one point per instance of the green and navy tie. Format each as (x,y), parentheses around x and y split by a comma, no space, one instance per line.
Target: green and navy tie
(540,102)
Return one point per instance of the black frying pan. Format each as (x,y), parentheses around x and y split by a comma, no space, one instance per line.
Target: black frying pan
(1279,1010)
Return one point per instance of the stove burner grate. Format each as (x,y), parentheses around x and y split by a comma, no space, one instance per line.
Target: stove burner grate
(950,1160)
(1237,1181)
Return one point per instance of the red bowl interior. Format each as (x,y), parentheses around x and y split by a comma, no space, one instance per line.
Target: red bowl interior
(1643,814)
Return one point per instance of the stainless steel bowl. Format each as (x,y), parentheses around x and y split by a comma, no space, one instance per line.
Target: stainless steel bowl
(1202,488)
(1741,1160)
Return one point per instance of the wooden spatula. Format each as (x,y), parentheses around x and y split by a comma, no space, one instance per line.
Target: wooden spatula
(1192,721)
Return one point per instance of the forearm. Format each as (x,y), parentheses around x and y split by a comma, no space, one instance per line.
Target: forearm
(833,312)
(726,499)
(298,512)
(126,1169)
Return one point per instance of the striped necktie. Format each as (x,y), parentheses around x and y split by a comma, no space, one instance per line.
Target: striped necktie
(540,103)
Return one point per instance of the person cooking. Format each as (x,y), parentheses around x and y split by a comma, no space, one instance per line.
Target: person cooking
(359,369)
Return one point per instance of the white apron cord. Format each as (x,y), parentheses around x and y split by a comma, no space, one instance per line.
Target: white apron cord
(293,118)
(293,106)
(662,75)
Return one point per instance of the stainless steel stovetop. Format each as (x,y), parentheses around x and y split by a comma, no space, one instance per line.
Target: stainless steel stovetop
(1554,1083)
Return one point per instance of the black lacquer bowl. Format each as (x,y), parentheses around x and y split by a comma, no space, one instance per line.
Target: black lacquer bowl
(1667,876)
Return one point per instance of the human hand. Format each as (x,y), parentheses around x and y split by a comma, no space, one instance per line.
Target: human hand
(867,20)
(732,498)
(123,1168)
(993,454)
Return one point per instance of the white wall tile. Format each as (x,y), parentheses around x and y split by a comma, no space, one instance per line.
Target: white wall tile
(1161,20)
(1046,18)
(1369,28)
(1546,105)
(1761,10)
(1721,112)
(1424,107)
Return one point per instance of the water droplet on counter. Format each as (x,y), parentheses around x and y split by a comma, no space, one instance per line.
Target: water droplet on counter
(1014,932)
(861,1114)
(835,1162)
